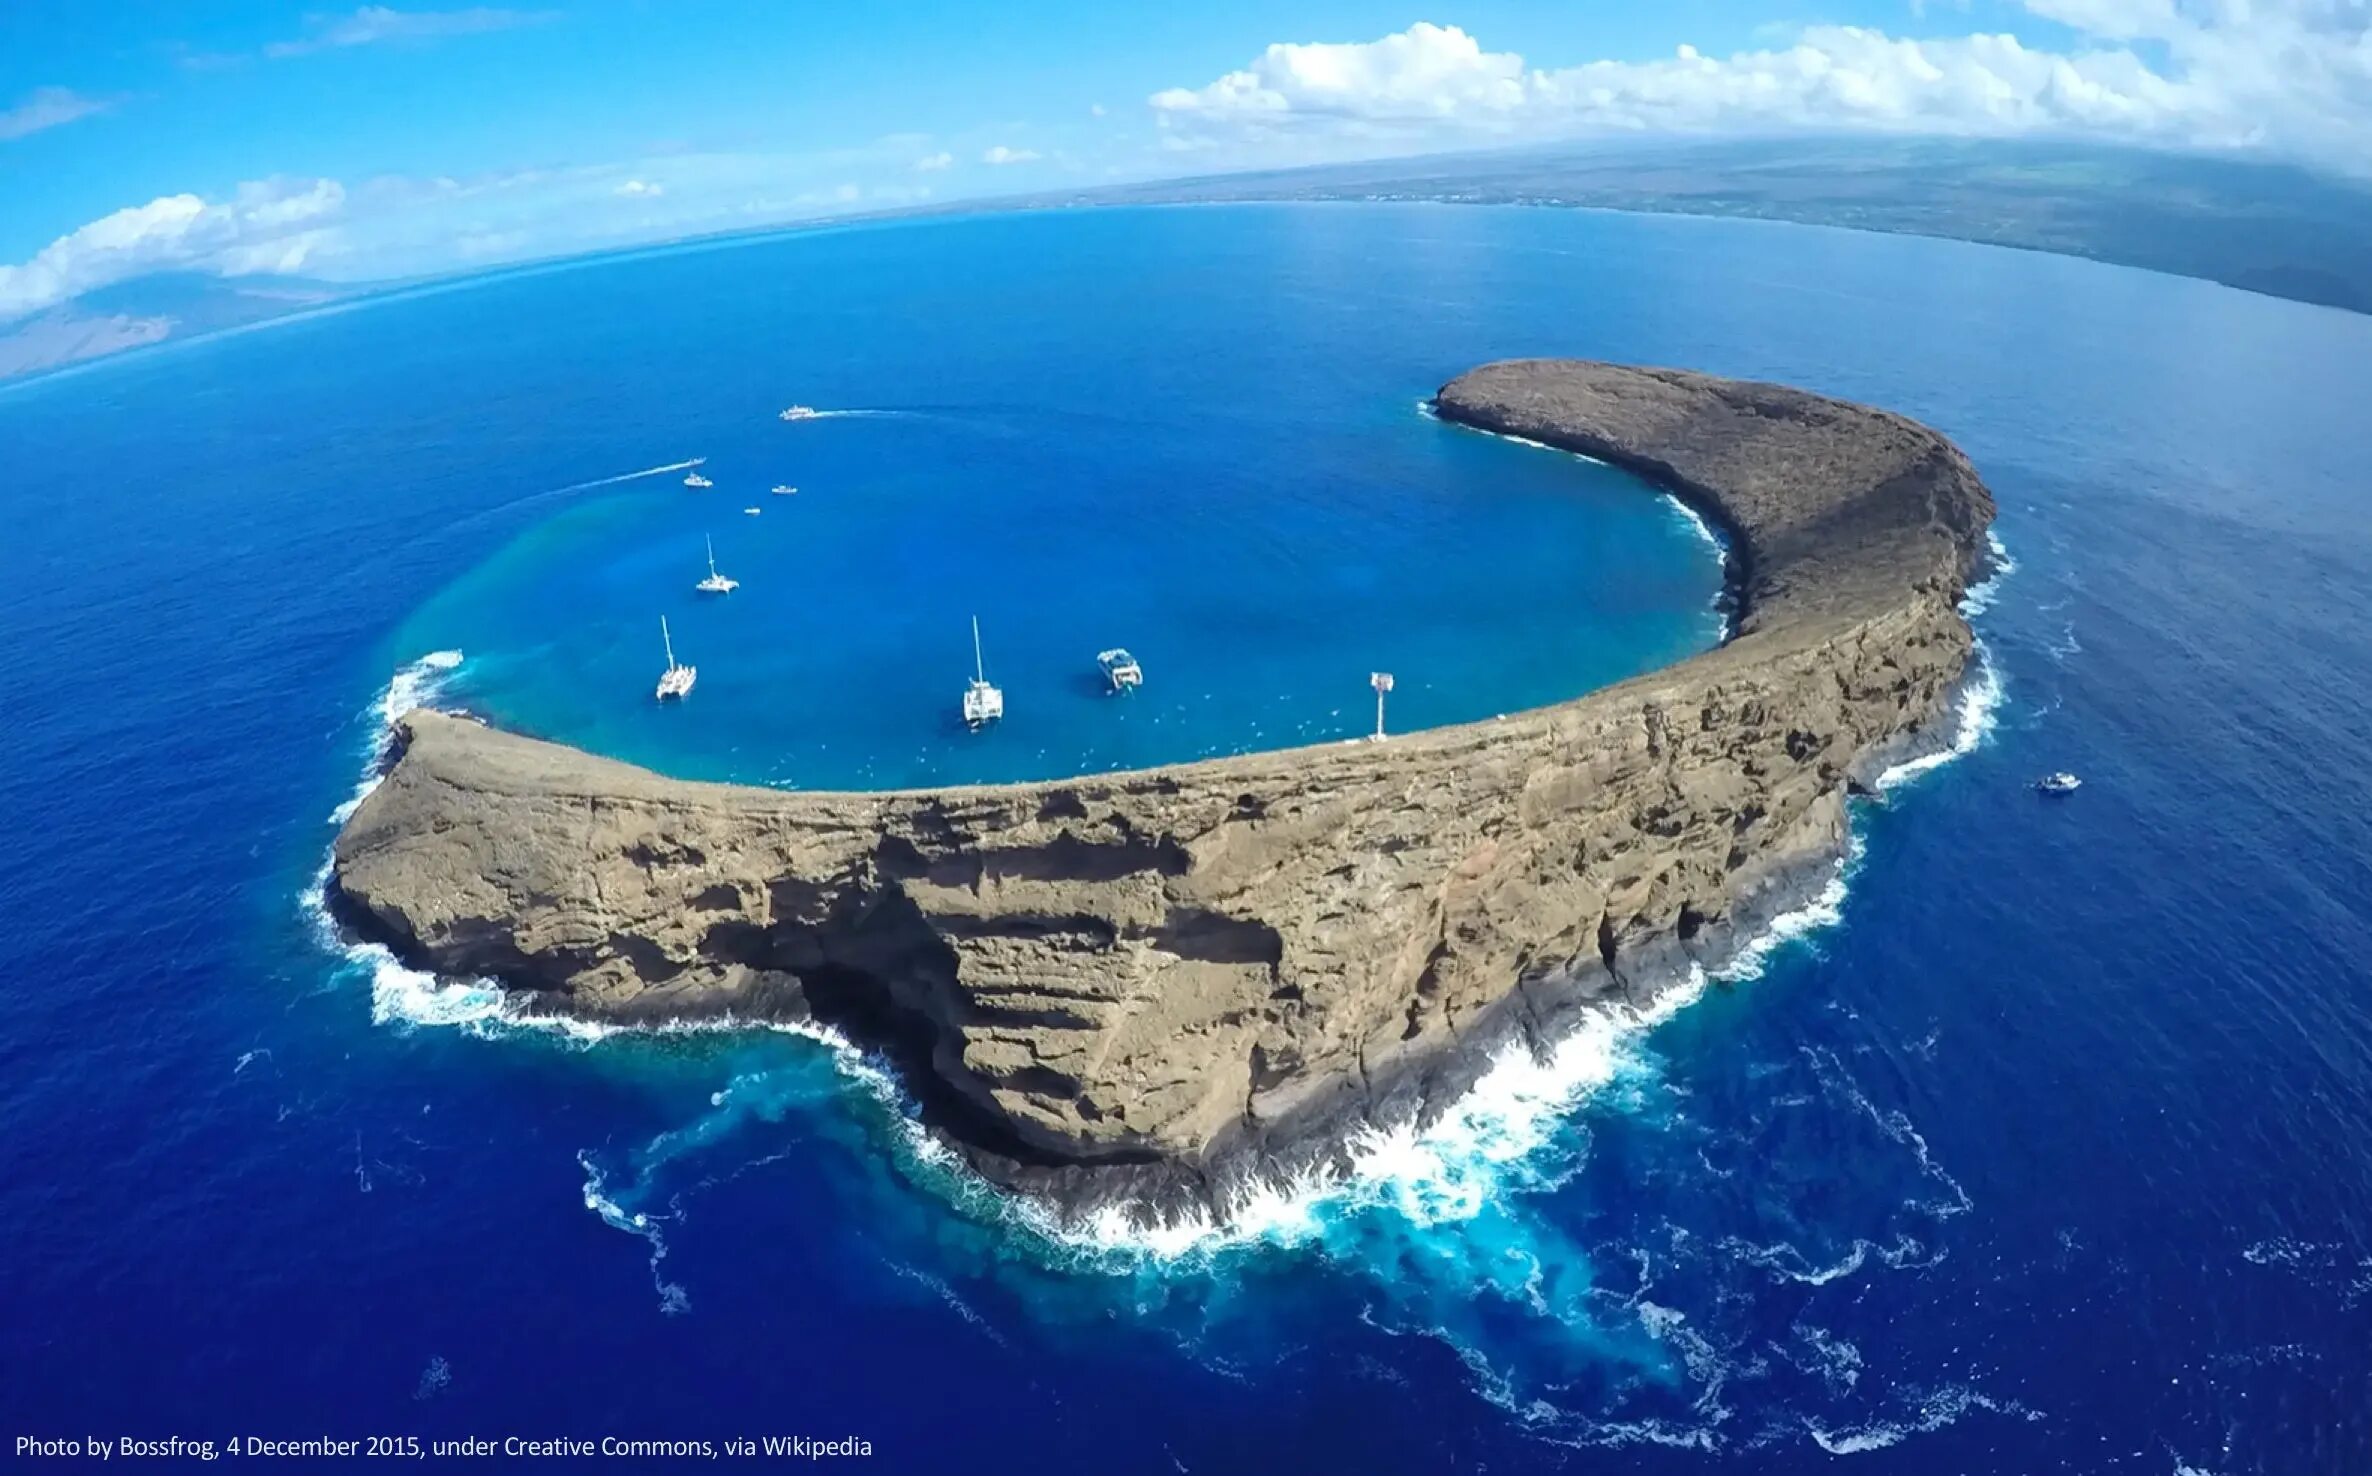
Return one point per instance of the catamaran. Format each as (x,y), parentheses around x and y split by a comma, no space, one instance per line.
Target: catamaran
(715,583)
(1120,669)
(983,704)
(799,412)
(677,680)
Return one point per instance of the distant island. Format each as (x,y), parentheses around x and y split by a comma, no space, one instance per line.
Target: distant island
(1149,988)
(2270,228)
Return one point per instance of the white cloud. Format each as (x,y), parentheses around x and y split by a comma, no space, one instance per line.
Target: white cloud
(641,189)
(267,226)
(931,163)
(376,23)
(1095,110)
(2292,77)
(48,107)
(1003,155)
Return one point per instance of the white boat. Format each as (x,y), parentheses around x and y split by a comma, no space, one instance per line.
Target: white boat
(785,489)
(983,704)
(799,412)
(2060,783)
(715,583)
(677,680)
(694,479)
(752,511)
(1120,669)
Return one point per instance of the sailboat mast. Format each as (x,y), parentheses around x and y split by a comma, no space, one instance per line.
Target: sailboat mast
(712,554)
(979,668)
(668,641)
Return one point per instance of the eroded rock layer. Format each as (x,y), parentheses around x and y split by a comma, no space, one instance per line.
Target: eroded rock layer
(1148,984)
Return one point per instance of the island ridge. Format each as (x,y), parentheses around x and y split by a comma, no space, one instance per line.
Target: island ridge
(1149,987)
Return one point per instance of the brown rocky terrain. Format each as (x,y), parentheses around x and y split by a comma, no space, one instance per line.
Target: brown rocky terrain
(1146,985)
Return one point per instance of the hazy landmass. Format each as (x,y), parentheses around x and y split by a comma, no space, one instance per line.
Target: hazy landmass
(2269,228)
(149,310)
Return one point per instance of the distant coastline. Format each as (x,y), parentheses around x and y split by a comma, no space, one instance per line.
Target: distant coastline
(2271,229)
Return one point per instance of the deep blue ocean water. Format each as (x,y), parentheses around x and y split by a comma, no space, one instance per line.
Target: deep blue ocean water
(2047,1154)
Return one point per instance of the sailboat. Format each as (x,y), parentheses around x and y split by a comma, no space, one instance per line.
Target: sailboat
(715,583)
(677,680)
(983,704)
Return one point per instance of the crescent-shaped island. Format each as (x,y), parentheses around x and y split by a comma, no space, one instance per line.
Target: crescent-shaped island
(1149,988)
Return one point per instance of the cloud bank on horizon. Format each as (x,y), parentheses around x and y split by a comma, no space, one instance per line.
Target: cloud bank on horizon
(2281,79)
(2290,78)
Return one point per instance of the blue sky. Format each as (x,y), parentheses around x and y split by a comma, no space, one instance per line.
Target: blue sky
(239,137)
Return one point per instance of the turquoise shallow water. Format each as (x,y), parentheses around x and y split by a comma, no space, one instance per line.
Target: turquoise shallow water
(2045,1153)
(1260,536)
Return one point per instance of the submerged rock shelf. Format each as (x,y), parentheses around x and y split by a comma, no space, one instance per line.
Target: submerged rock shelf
(1147,986)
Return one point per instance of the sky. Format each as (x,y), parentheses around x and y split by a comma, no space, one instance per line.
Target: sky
(244,138)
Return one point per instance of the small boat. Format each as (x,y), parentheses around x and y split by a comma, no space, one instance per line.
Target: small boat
(677,680)
(799,412)
(2060,783)
(752,511)
(983,704)
(694,479)
(715,583)
(785,489)
(1120,669)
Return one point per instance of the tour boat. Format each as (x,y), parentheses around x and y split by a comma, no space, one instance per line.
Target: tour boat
(1120,669)
(715,583)
(694,479)
(2060,783)
(785,489)
(799,412)
(983,704)
(677,680)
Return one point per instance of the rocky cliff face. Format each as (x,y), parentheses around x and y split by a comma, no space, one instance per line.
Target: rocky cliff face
(1145,985)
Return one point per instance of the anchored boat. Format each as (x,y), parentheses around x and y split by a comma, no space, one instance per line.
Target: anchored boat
(677,680)
(1120,669)
(2060,783)
(983,704)
(715,583)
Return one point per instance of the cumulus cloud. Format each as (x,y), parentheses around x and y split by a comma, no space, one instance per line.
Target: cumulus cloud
(1003,155)
(2292,77)
(641,189)
(48,107)
(932,163)
(267,226)
(376,23)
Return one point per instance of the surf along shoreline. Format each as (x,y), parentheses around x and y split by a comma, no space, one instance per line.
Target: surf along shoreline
(1142,996)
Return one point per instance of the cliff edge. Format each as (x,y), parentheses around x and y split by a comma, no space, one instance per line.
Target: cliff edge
(1145,986)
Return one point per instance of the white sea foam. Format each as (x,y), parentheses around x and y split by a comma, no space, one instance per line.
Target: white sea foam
(1932,1411)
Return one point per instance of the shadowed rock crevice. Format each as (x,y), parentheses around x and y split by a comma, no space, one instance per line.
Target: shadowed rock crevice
(1147,986)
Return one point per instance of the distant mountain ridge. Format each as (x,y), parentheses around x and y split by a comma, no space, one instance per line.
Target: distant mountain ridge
(2263,227)
(151,309)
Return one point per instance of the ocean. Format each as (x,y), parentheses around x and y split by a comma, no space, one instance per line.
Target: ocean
(2037,1145)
